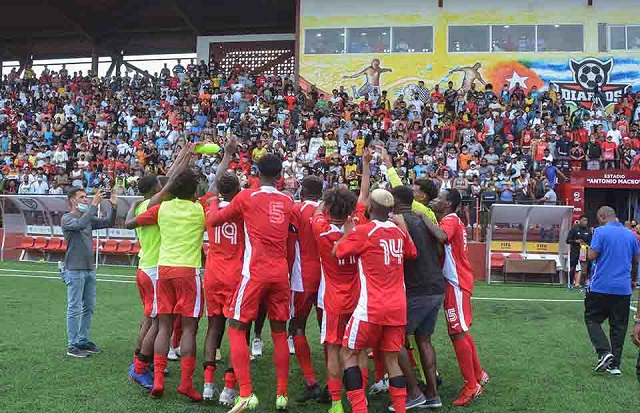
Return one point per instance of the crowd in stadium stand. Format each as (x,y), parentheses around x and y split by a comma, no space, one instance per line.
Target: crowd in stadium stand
(65,129)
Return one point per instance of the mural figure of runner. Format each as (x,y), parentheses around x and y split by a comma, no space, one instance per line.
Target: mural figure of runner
(471,74)
(372,79)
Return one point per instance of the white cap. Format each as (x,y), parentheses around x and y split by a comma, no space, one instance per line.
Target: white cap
(382,197)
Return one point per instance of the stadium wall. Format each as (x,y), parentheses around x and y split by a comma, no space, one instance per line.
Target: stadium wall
(565,44)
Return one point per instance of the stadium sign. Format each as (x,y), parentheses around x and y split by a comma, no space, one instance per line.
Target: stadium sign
(588,74)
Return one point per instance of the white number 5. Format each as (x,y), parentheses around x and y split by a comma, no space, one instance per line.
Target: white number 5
(276,212)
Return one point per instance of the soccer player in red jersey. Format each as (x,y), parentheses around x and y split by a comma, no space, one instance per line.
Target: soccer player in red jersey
(266,213)
(222,274)
(381,313)
(305,279)
(341,286)
(457,299)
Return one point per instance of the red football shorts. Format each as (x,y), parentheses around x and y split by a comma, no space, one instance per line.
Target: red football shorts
(457,309)
(361,335)
(250,293)
(333,327)
(180,295)
(217,297)
(302,303)
(146,279)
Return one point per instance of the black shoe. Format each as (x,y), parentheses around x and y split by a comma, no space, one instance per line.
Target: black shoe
(90,347)
(325,397)
(76,352)
(604,362)
(310,393)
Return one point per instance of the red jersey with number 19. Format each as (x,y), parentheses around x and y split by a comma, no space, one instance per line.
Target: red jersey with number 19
(226,247)
(456,269)
(380,247)
(305,271)
(266,213)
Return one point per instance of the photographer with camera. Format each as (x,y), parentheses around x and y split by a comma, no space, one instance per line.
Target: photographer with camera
(79,273)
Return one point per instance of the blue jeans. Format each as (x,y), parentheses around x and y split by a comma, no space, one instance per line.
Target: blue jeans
(81,301)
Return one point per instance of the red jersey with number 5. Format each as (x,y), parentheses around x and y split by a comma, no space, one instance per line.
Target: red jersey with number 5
(456,269)
(380,247)
(266,213)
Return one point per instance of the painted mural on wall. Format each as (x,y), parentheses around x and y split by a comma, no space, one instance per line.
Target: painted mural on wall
(376,58)
(580,81)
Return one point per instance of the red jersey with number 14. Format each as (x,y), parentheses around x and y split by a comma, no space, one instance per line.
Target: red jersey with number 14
(380,247)
(456,269)
(305,270)
(266,213)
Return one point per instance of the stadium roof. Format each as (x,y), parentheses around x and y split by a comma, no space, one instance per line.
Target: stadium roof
(50,29)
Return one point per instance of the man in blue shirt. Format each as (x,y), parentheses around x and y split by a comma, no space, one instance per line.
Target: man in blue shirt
(614,250)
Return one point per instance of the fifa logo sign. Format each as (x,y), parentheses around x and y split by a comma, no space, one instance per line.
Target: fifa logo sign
(392,250)
(228,231)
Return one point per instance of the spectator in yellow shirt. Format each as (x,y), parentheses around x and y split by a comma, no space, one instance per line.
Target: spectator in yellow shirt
(258,152)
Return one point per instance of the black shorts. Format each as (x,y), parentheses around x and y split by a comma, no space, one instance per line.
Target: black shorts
(422,314)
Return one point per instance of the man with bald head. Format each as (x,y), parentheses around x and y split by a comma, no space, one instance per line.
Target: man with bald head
(614,251)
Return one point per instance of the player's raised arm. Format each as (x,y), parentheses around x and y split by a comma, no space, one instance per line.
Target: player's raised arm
(181,163)
(367,156)
(229,151)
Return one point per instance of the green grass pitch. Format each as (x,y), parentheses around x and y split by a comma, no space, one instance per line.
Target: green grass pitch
(531,340)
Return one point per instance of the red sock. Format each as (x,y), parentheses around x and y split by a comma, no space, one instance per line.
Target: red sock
(209,373)
(398,398)
(335,389)
(464,354)
(230,379)
(378,364)
(240,359)
(281,360)
(358,401)
(365,378)
(159,364)
(139,366)
(412,360)
(187,367)
(177,332)
(477,368)
(303,354)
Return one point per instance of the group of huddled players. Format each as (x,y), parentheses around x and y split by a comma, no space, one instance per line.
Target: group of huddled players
(348,256)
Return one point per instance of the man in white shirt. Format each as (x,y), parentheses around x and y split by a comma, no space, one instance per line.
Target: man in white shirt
(615,134)
(40,186)
(55,189)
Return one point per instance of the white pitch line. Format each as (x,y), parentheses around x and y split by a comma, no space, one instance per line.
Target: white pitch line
(544,300)
(538,300)
(56,272)
(60,278)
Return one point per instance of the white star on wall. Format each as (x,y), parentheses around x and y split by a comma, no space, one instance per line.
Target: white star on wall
(516,78)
